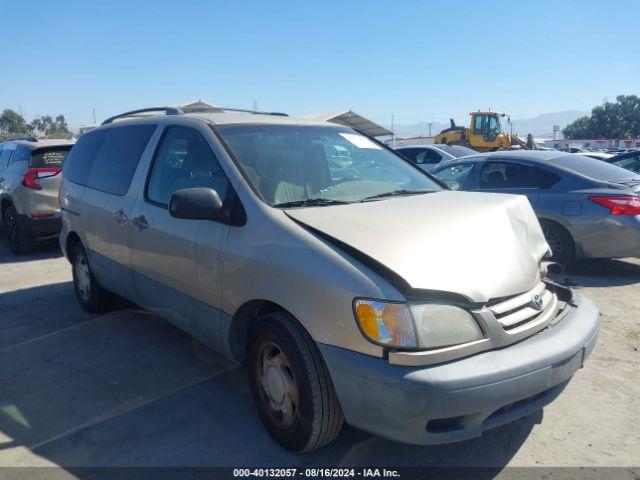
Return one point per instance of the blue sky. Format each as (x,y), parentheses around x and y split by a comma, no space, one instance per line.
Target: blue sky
(418,60)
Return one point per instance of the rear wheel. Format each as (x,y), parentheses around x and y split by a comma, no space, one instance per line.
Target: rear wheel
(559,240)
(92,297)
(291,385)
(19,241)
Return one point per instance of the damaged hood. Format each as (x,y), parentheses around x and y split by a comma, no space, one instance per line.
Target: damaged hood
(479,245)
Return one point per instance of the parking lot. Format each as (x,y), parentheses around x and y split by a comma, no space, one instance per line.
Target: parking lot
(127,389)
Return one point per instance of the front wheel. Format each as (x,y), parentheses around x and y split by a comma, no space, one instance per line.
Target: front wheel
(91,296)
(291,385)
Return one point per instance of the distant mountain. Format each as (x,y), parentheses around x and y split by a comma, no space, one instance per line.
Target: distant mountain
(542,125)
(539,126)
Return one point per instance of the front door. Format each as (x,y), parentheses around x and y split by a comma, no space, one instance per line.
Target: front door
(177,263)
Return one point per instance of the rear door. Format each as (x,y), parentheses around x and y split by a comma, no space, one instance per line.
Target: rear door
(108,202)
(516,177)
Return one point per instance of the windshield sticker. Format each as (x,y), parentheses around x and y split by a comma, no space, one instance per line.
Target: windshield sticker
(359,141)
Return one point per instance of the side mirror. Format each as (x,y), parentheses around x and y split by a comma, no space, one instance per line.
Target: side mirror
(199,203)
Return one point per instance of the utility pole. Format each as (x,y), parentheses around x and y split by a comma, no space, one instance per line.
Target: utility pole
(94,115)
(429,124)
(255,106)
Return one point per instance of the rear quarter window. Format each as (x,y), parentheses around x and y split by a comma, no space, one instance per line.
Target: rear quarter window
(106,159)
(117,158)
(49,157)
(78,164)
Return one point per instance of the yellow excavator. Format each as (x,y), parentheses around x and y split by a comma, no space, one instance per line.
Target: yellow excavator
(486,133)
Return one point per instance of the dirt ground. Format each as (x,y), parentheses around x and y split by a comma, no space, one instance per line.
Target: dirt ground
(126,389)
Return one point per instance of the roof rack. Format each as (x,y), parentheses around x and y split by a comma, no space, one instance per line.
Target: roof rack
(166,110)
(179,111)
(252,111)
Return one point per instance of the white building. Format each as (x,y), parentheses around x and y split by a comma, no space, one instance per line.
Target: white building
(598,143)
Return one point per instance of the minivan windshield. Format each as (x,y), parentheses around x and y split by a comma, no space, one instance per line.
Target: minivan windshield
(299,165)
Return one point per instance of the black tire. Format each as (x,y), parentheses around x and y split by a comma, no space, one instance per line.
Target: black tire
(560,241)
(19,241)
(315,417)
(91,296)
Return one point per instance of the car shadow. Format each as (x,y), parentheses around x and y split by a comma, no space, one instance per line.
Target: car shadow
(42,250)
(126,389)
(600,273)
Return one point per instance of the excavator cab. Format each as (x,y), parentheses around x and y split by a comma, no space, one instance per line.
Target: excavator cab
(488,124)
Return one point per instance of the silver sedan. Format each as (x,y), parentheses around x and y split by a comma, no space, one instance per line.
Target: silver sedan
(587,208)
(428,157)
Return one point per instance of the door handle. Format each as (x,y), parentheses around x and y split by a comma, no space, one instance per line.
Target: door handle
(120,217)
(140,222)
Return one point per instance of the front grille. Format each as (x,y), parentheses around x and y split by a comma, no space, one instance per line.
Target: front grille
(520,310)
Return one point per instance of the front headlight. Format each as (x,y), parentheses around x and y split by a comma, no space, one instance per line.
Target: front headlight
(415,326)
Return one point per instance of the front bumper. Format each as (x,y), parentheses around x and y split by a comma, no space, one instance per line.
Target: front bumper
(39,227)
(460,399)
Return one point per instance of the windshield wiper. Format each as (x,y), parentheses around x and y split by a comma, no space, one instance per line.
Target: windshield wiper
(310,202)
(396,193)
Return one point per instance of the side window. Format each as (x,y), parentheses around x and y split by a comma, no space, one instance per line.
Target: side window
(4,158)
(77,166)
(456,176)
(499,175)
(542,178)
(21,154)
(478,123)
(184,160)
(428,156)
(5,155)
(117,158)
(408,153)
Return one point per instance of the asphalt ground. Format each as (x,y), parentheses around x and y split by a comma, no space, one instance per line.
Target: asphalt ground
(127,389)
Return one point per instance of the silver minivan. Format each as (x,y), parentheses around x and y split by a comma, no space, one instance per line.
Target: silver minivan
(359,290)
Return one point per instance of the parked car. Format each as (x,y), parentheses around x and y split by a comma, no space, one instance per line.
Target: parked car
(586,207)
(29,184)
(381,298)
(597,155)
(427,157)
(629,161)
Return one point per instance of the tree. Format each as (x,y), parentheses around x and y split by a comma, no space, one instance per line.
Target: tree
(51,128)
(12,123)
(610,120)
(580,128)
